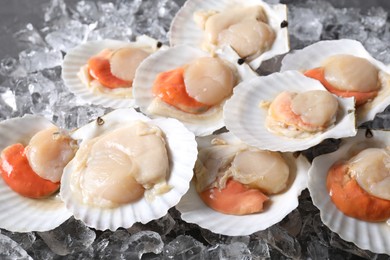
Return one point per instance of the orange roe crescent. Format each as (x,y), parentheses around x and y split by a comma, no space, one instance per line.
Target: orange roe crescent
(360,97)
(234,199)
(99,69)
(18,175)
(352,200)
(169,86)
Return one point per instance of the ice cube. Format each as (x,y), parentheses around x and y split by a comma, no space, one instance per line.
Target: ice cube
(162,226)
(39,250)
(85,11)
(259,249)
(304,24)
(146,242)
(215,239)
(68,36)
(281,240)
(71,236)
(184,247)
(9,249)
(39,59)
(28,37)
(236,250)
(56,9)
(25,240)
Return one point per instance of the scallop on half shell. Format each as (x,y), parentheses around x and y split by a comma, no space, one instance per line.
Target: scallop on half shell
(181,149)
(314,55)
(245,114)
(200,124)
(194,210)
(18,213)
(184,29)
(373,236)
(76,76)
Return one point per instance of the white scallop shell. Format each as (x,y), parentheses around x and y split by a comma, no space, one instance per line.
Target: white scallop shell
(79,56)
(171,59)
(245,119)
(182,150)
(366,235)
(312,56)
(18,213)
(193,209)
(185,31)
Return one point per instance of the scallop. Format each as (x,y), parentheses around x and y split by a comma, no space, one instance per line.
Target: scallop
(128,169)
(218,150)
(204,115)
(253,28)
(250,115)
(363,153)
(22,214)
(48,152)
(349,68)
(110,59)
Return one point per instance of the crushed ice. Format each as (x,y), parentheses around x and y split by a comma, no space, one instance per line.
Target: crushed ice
(31,83)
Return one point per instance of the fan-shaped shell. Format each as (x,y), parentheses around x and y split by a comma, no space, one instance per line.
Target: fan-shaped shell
(18,213)
(312,56)
(367,235)
(194,210)
(185,31)
(173,58)
(79,56)
(182,152)
(245,119)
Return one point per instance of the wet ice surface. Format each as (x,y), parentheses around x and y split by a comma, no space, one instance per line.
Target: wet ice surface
(31,83)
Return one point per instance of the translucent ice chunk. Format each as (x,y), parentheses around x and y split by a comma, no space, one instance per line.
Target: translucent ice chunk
(36,60)
(9,249)
(215,239)
(184,247)
(72,236)
(236,250)
(25,240)
(146,242)
(68,36)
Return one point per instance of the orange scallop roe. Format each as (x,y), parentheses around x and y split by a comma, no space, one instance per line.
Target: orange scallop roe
(18,175)
(169,86)
(360,97)
(351,199)
(99,69)
(234,199)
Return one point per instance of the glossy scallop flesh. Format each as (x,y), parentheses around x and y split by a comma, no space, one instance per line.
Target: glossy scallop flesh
(315,55)
(181,147)
(21,214)
(194,210)
(173,58)
(184,29)
(78,57)
(246,118)
(373,236)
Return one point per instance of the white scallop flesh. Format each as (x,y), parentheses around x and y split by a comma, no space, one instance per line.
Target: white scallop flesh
(115,168)
(371,168)
(350,73)
(248,37)
(125,61)
(315,107)
(264,170)
(209,80)
(214,23)
(259,169)
(212,166)
(48,152)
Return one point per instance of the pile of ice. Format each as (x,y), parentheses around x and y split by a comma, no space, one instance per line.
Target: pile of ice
(31,83)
